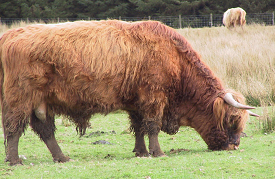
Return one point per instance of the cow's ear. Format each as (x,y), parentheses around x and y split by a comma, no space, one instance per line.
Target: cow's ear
(219,110)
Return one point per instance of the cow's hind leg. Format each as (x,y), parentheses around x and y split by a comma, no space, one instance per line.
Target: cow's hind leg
(14,124)
(140,147)
(12,148)
(45,129)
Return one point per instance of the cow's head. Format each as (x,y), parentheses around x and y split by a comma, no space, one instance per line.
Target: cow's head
(221,130)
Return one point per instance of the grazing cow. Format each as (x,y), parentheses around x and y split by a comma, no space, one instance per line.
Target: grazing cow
(234,17)
(82,68)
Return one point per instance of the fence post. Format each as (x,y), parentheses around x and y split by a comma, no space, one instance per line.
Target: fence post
(119,17)
(149,17)
(180,21)
(211,20)
(58,20)
(273,18)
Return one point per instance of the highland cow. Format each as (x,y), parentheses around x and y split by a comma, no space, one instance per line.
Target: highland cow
(81,68)
(234,17)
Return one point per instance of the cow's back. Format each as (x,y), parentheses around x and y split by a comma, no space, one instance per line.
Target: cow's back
(96,63)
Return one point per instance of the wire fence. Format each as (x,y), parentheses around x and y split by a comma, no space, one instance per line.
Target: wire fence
(181,21)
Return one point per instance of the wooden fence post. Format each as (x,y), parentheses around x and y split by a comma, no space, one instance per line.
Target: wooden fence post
(211,20)
(180,21)
(273,18)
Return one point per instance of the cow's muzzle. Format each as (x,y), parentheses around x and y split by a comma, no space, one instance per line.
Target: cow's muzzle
(232,147)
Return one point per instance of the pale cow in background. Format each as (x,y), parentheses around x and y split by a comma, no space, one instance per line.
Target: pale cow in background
(234,17)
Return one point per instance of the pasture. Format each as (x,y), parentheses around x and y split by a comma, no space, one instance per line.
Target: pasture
(188,157)
(244,60)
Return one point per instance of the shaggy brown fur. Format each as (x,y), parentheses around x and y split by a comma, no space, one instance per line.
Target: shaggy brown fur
(81,68)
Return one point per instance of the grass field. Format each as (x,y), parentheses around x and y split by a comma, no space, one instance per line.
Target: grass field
(188,157)
(244,60)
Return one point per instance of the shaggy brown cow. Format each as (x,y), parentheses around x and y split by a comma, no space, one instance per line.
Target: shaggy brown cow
(82,68)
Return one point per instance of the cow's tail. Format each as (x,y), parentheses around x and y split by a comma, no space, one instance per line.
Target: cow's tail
(2,40)
(3,37)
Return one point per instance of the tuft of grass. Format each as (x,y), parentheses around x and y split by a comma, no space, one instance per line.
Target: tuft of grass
(267,120)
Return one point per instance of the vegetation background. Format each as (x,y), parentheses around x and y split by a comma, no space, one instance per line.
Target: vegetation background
(125,8)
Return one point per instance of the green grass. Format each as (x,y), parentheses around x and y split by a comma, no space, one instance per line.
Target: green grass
(254,159)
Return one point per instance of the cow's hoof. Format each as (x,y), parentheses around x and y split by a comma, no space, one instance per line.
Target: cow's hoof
(157,154)
(61,159)
(142,154)
(14,162)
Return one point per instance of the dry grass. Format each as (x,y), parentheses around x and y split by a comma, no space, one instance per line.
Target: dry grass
(243,59)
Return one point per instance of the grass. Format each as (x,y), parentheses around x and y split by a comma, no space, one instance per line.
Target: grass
(244,60)
(189,160)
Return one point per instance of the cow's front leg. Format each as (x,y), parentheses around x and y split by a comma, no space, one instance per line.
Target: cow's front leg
(154,147)
(152,105)
(140,147)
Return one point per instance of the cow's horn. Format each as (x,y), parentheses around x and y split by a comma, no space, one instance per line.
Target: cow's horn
(231,101)
(252,114)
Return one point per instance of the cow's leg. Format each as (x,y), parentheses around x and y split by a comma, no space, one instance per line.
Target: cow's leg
(45,129)
(140,147)
(13,126)
(152,108)
(12,148)
(153,128)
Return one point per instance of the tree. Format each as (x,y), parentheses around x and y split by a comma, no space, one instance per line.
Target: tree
(125,8)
